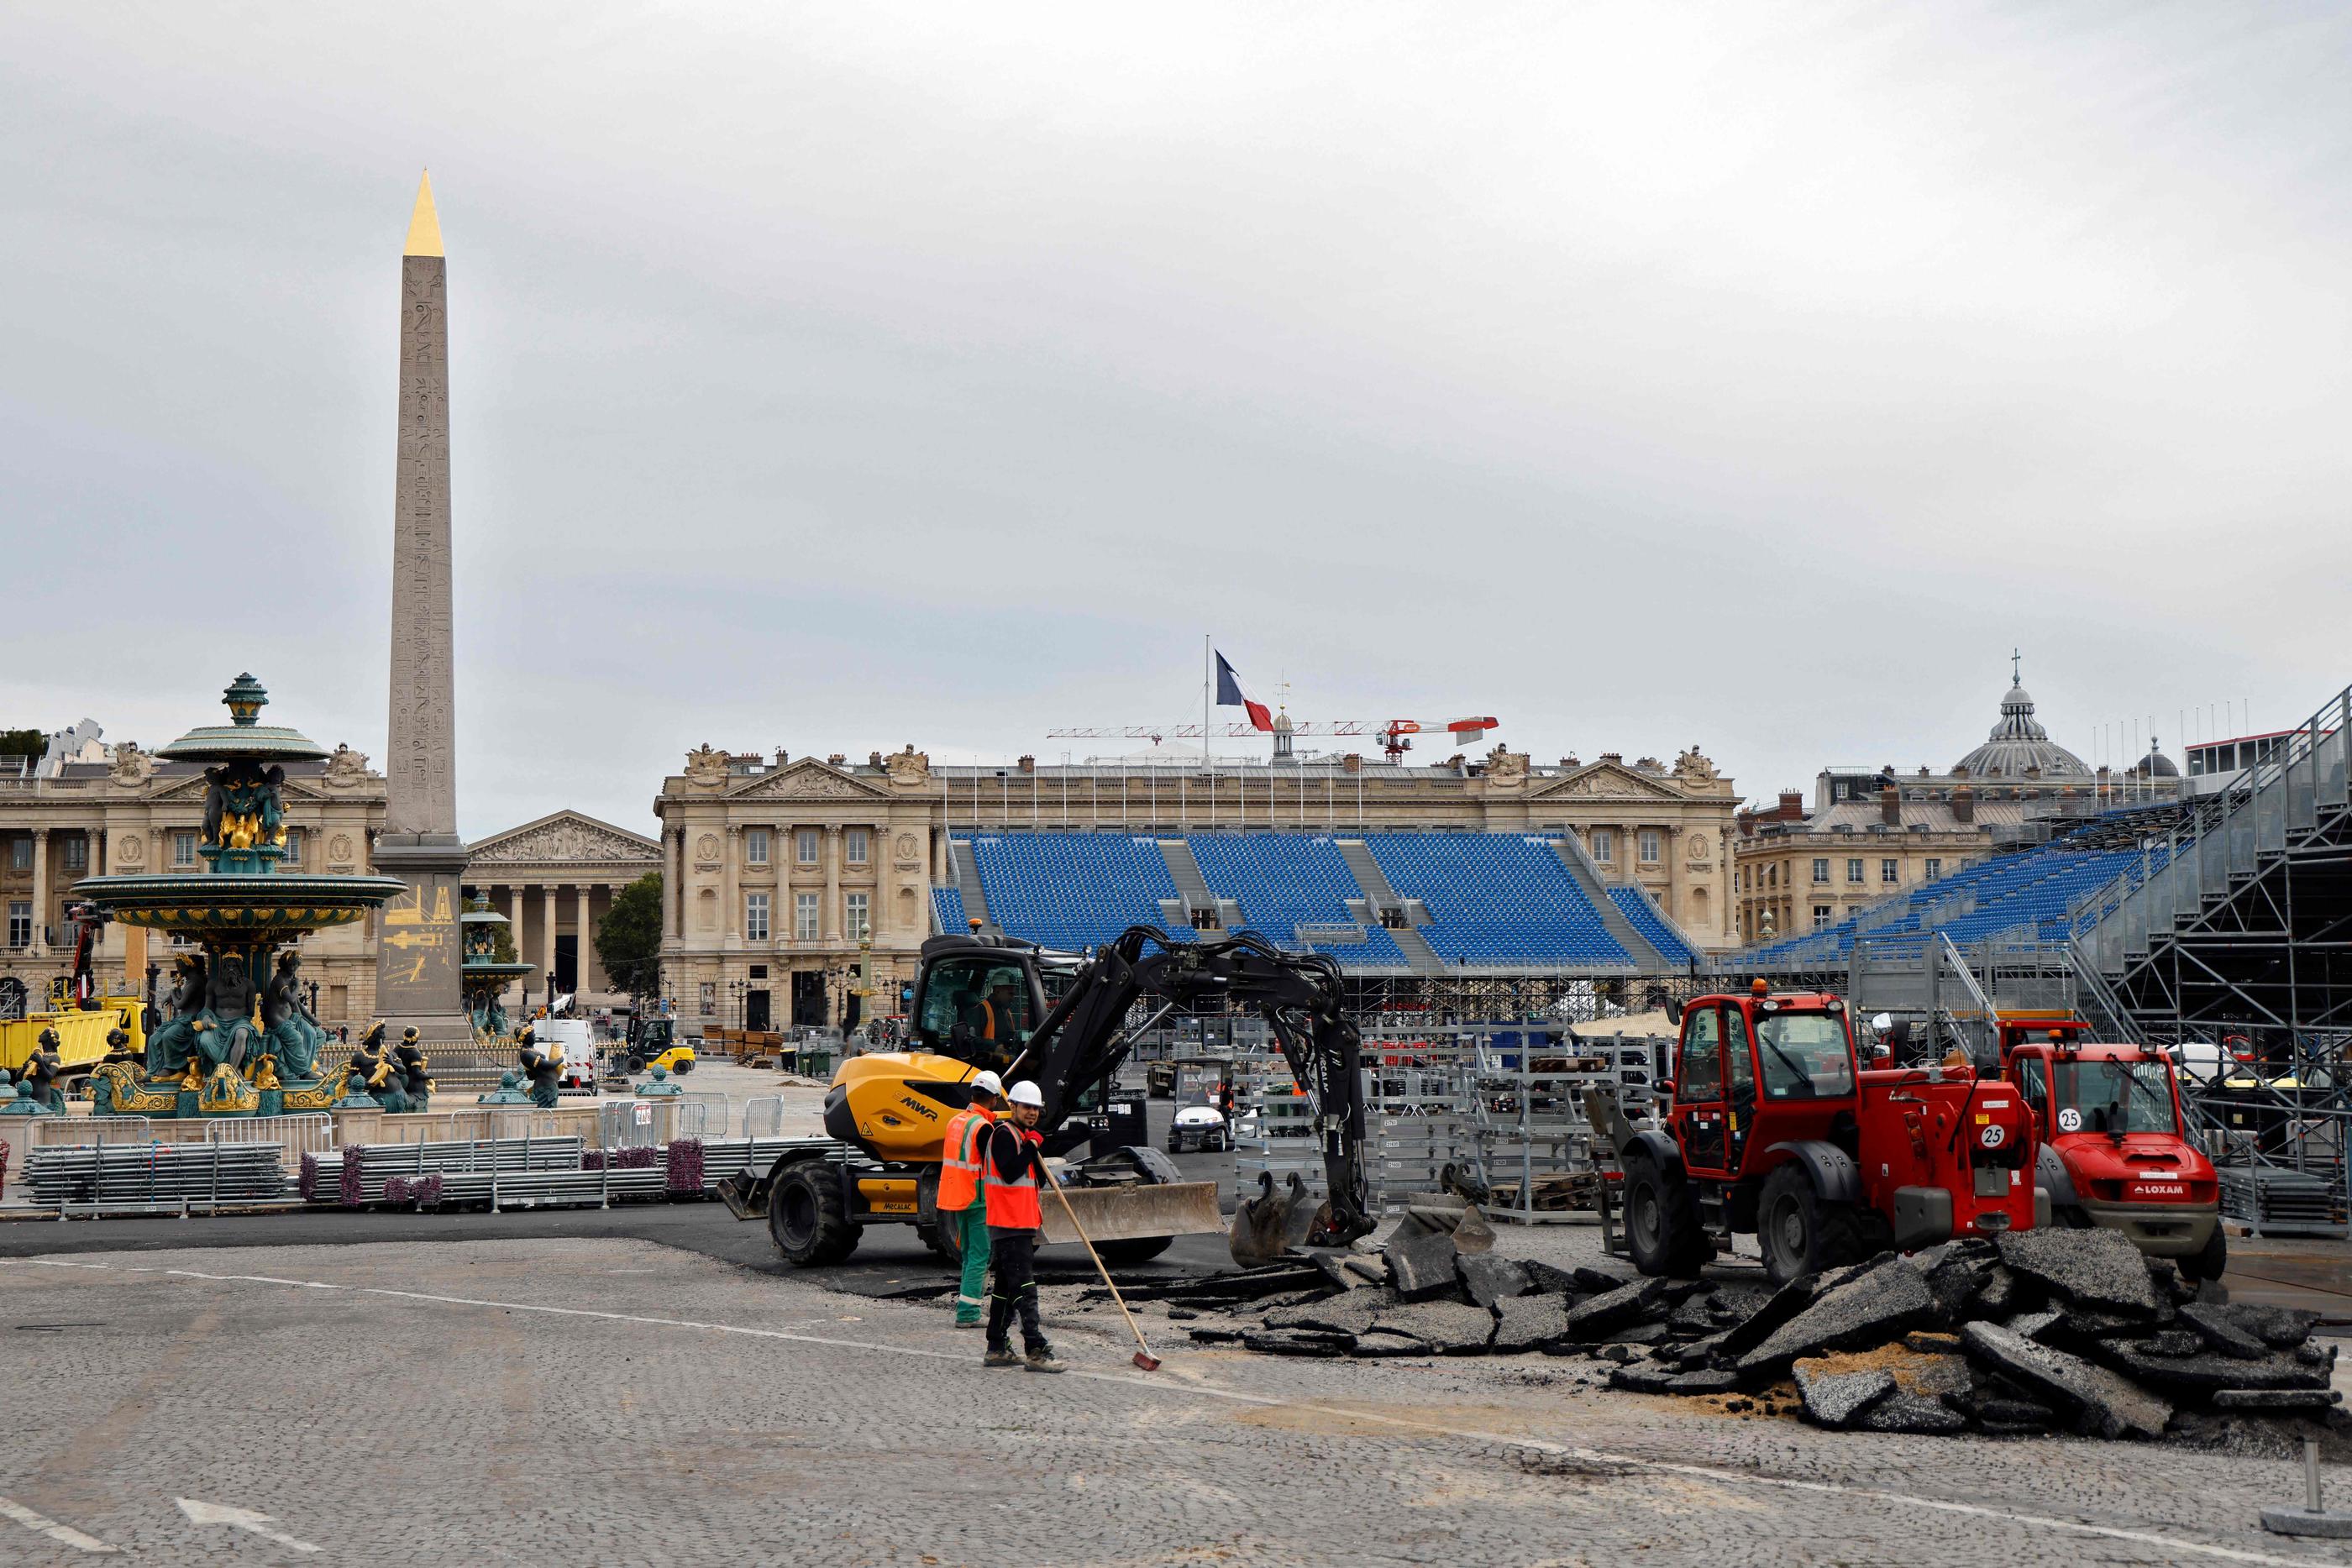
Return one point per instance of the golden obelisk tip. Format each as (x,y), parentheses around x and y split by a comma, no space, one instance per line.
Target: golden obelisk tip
(423,224)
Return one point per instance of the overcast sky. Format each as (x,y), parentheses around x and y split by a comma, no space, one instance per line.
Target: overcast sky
(836,376)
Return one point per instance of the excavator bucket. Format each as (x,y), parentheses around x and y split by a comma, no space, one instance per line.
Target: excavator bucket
(1268,1226)
(1131,1213)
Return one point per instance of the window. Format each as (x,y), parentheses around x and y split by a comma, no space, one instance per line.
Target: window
(183,847)
(1820,915)
(857,929)
(77,854)
(293,856)
(804,917)
(1772,876)
(1699,1074)
(710,998)
(1805,1056)
(755,916)
(1650,844)
(805,843)
(755,845)
(20,854)
(1932,867)
(1853,868)
(1890,870)
(1604,844)
(20,924)
(1821,868)
(856,841)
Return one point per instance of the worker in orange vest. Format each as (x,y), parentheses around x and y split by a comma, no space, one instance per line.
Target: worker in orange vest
(1009,1178)
(962,1211)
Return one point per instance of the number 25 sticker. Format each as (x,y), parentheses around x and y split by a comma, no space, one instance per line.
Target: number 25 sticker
(2070,1120)
(1992,1136)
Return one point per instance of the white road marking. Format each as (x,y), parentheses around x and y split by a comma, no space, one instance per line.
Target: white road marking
(52,1528)
(1163,1385)
(201,1513)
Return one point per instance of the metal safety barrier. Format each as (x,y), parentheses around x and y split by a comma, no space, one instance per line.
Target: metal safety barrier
(763,1116)
(153,1179)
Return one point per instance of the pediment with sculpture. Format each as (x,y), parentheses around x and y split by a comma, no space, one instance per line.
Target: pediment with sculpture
(808,780)
(1606,782)
(567,837)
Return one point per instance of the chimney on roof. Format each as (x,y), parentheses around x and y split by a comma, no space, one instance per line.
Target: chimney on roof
(1747,822)
(783,756)
(1890,806)
(836,759)
(1028,763)
(1616,757)
(1792,805)
(1352,763)
(1964,804)
(873,759)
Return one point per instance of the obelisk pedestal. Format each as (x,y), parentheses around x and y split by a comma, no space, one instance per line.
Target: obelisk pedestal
(418,962)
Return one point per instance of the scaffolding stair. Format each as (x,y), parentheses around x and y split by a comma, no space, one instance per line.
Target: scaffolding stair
(967,877)
(1192,887)
(1646,958)
(1382,899)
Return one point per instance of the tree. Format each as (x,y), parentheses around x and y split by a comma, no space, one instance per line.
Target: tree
(23,743)
(628,939)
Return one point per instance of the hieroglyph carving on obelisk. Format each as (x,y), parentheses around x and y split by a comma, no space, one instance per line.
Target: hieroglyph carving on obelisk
(417,948)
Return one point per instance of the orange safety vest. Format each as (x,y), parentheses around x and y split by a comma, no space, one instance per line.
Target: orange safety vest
(1013,1204)
(960,1159)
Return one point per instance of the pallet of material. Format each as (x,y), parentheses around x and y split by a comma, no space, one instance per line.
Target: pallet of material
(1559,1192)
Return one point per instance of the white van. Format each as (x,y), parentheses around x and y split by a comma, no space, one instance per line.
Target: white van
(579,1052)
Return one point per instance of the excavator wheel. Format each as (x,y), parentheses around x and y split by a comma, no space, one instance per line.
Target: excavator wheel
(1801,1232)
(942,1239)
(806,1218)
(1662,1228)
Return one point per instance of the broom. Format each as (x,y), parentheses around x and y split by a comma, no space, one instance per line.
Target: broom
(1143,1356)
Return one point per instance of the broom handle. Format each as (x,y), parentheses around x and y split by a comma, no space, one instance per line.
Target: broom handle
(1090,1246)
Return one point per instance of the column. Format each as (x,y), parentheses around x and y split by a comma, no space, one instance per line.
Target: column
(731,883)
(833,882)
(672,927)
(521,983)
(40,892)
(98,851)
(587,941)
(547,943)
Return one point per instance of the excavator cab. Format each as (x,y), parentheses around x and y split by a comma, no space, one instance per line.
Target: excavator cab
(977,1002)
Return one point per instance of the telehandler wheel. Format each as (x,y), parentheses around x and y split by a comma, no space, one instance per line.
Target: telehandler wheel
(2211,1260)
(1662,1228)
(1800,1232)
(806,1218)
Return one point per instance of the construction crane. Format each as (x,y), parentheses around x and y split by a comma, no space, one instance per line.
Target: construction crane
(1395,734)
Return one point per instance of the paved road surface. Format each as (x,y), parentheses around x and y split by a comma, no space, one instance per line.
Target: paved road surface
(598,1399)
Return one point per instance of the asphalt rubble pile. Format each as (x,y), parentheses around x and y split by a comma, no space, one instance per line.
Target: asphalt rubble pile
(2036,1331)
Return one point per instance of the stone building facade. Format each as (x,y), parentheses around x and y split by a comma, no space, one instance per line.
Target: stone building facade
(555,879)
(135,813)
(790,881)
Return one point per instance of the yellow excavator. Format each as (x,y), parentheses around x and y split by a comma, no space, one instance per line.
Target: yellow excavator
(1067,1023)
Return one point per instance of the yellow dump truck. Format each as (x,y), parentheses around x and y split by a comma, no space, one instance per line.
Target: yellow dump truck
(81,1037)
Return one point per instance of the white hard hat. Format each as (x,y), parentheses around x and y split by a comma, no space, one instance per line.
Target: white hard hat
(987,1083)
(1026,1093)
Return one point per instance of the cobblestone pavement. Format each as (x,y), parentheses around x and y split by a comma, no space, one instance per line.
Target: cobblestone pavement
(605,1400)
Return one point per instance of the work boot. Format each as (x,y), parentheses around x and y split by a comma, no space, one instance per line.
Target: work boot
(1003,1357)
(1042,1360)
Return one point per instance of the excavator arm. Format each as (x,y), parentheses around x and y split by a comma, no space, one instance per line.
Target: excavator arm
(1082,1042)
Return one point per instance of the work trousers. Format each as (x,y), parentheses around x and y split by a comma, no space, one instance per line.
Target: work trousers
(1015,1256)
(971,1234)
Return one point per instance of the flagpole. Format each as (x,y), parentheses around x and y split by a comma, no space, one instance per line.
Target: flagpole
(1208,694)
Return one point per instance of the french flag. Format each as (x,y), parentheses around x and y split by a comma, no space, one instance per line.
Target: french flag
(1231,695)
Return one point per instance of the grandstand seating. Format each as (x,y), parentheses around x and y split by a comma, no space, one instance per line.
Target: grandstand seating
(1495,900)
(2021,897)
(1072,890)
(1654,929)
(1282,881)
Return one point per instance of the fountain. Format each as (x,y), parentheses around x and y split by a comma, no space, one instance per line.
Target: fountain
(481,975)
(238,1040)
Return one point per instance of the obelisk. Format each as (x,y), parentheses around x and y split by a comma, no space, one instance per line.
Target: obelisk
(417,946)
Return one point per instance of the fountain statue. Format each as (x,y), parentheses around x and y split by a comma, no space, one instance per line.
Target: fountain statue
(481,975)
(237,1041)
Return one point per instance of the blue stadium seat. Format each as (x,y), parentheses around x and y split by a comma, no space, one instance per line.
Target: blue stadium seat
(1282,881)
